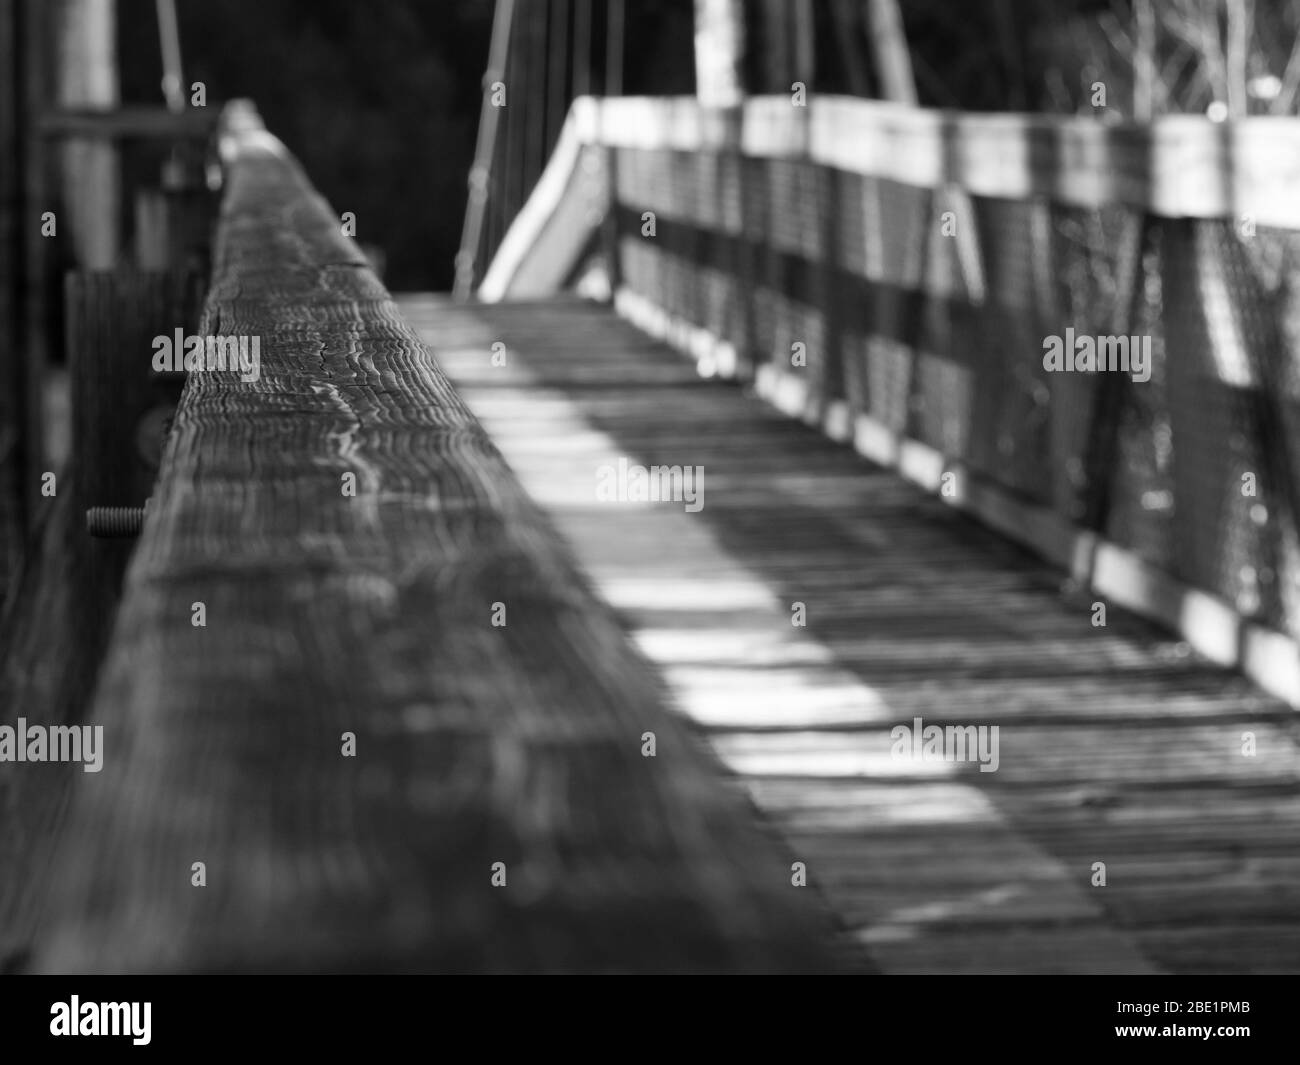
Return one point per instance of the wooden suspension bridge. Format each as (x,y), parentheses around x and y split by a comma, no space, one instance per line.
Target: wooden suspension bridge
(388,685)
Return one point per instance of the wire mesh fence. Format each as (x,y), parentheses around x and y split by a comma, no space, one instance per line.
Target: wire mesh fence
(928,311)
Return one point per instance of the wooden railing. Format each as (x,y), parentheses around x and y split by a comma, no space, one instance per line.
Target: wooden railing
(1182,166)
(360,709)
(894,275)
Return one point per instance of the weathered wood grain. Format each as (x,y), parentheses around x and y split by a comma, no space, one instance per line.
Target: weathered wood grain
(112,319)
(328,614)
(1117,744)
(56,624)
(52,635)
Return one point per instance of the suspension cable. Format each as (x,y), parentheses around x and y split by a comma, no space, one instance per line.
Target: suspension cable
(481,170)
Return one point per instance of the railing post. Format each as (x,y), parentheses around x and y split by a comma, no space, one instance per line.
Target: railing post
(609,228)
(1102,452)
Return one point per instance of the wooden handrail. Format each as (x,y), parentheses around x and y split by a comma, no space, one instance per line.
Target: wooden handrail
(1179,166)
(356,676)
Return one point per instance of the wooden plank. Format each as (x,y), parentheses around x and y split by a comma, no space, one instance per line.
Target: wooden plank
(1212,626)
(128,122)
(173,229)
(53,633)
(1118,744)
(1179,166)
(372,615)
(119,404)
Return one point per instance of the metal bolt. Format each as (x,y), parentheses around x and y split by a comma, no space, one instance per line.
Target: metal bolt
(115,523)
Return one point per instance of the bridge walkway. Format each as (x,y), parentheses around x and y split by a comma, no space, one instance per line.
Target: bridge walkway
(1116,744)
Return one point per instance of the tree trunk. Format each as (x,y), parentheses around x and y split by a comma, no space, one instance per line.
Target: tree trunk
(893,60)
(719,52)
(87,77)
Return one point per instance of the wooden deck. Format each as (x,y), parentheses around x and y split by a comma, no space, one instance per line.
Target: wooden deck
(1117,744)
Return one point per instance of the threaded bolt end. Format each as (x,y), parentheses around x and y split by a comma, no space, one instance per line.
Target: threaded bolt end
(115,523)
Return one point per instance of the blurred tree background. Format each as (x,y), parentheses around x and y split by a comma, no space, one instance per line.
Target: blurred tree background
(379,99)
